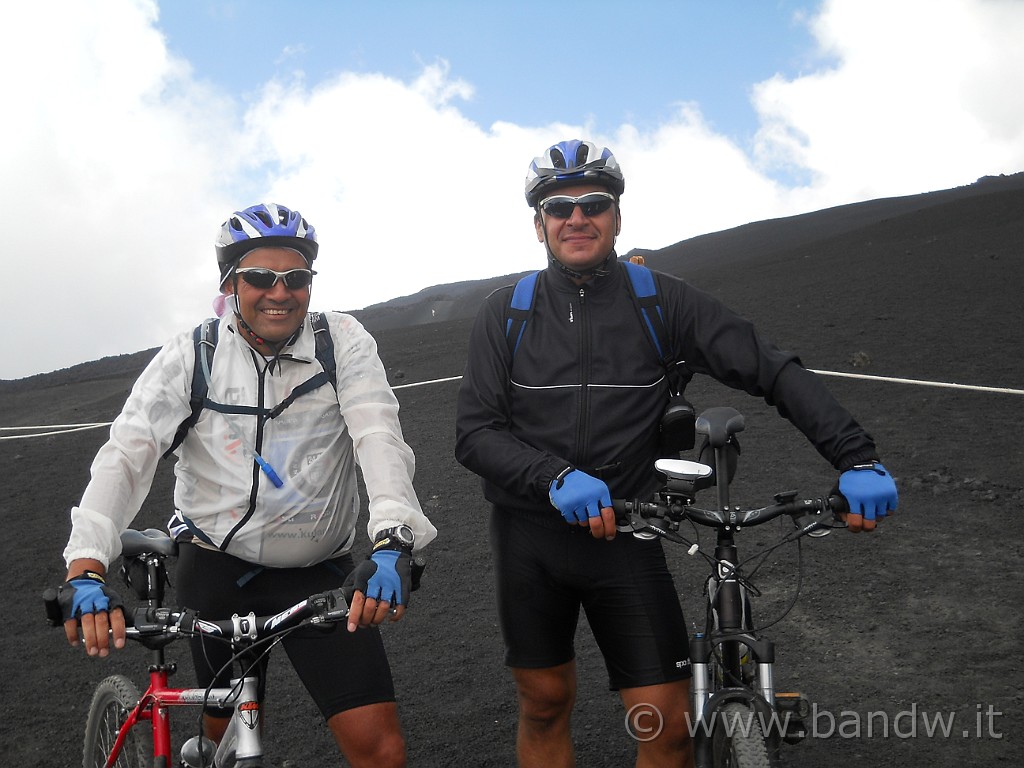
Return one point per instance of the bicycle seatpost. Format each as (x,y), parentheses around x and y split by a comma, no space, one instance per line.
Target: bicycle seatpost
(719,425)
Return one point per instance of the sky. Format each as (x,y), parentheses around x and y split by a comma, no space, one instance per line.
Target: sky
(402,130)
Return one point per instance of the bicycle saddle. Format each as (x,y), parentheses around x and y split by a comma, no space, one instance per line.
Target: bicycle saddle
(149,541)
(719,424)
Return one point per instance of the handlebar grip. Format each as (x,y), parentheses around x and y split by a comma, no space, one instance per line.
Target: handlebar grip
(838,504)
(419,563)
(54,615)
(621,516)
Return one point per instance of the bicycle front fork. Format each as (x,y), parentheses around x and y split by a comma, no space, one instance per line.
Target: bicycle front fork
(702,651)
(710,685)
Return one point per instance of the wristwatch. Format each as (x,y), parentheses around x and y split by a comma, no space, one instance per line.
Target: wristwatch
(399,537)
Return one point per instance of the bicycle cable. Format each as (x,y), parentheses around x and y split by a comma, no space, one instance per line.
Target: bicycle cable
(264,646)
(747,583)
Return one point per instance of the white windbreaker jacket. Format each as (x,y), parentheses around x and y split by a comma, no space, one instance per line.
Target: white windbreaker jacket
(313,445)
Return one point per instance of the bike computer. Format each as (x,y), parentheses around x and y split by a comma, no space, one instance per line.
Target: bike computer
(681,469)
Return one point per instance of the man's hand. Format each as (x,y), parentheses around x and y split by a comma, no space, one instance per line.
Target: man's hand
(375,585)
(584,500)
(871,493)
(87,602)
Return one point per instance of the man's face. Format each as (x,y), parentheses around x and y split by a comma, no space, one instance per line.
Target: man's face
(579,242)
(275,313)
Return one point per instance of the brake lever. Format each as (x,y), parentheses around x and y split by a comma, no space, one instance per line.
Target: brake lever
(811,525)
(640,525)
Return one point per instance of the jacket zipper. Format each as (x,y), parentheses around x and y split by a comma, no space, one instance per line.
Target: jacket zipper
(258,447)
(582,420)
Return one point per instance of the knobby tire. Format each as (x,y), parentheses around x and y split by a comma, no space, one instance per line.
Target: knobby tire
(738,741)
(113,699)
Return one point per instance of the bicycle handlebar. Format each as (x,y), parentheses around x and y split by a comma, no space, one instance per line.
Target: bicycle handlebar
(149,623)
(639,515)
(152,622)
(320,608)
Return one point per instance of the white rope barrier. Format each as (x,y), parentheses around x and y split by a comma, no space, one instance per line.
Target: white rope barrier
(57,426)
(62,429)
(921,383)
(423,383)
(54,429)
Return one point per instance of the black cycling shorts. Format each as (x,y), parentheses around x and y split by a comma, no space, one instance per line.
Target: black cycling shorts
(340,669)
(546,569)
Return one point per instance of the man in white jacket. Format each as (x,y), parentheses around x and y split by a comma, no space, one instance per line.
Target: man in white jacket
(266,495)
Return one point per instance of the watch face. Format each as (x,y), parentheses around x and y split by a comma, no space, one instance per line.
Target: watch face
(400,534)
(404,534)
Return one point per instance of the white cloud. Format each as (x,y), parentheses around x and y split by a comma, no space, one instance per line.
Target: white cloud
(916,95)
(109,162)
(119,162)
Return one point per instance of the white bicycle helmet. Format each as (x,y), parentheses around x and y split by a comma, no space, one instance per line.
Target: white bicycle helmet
(571,162)
(263,226)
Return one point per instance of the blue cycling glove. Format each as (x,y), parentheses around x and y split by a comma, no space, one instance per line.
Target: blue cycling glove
(86,593)
(869,489)
(578,496)
(385,576)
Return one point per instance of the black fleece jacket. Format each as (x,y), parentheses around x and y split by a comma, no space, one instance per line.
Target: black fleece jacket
(585,386)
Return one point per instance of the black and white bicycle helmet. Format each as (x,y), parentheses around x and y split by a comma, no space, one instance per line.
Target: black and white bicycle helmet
(264,226)
(572,162)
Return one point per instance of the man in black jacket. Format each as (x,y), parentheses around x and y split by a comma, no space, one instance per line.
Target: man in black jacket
(565,419)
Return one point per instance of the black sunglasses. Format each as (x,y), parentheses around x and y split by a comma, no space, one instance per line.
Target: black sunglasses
(265,279)
(591,204)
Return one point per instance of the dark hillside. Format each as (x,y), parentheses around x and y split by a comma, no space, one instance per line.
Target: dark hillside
(721,253)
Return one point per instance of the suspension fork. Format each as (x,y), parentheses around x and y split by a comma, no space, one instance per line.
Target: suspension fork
(729,632)
(724,617)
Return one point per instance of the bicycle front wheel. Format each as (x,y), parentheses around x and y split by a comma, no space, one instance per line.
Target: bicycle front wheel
(738,738)
(113,699)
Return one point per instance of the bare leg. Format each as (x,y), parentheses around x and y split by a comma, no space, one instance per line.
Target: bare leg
(546,699)
(214,727)
(659,720)
(370,736)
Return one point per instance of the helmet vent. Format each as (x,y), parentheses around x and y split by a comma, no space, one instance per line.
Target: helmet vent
(557,158)
(581,154)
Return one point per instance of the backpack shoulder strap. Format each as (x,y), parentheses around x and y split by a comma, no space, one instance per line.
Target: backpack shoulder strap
(645,291)
(324,350)
(324,346)
(204,342)
(519,310)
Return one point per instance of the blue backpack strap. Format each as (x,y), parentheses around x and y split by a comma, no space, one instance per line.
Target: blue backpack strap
(204,341)
(645,290)
(519,311)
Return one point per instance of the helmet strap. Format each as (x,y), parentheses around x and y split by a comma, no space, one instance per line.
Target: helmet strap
(255,337)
